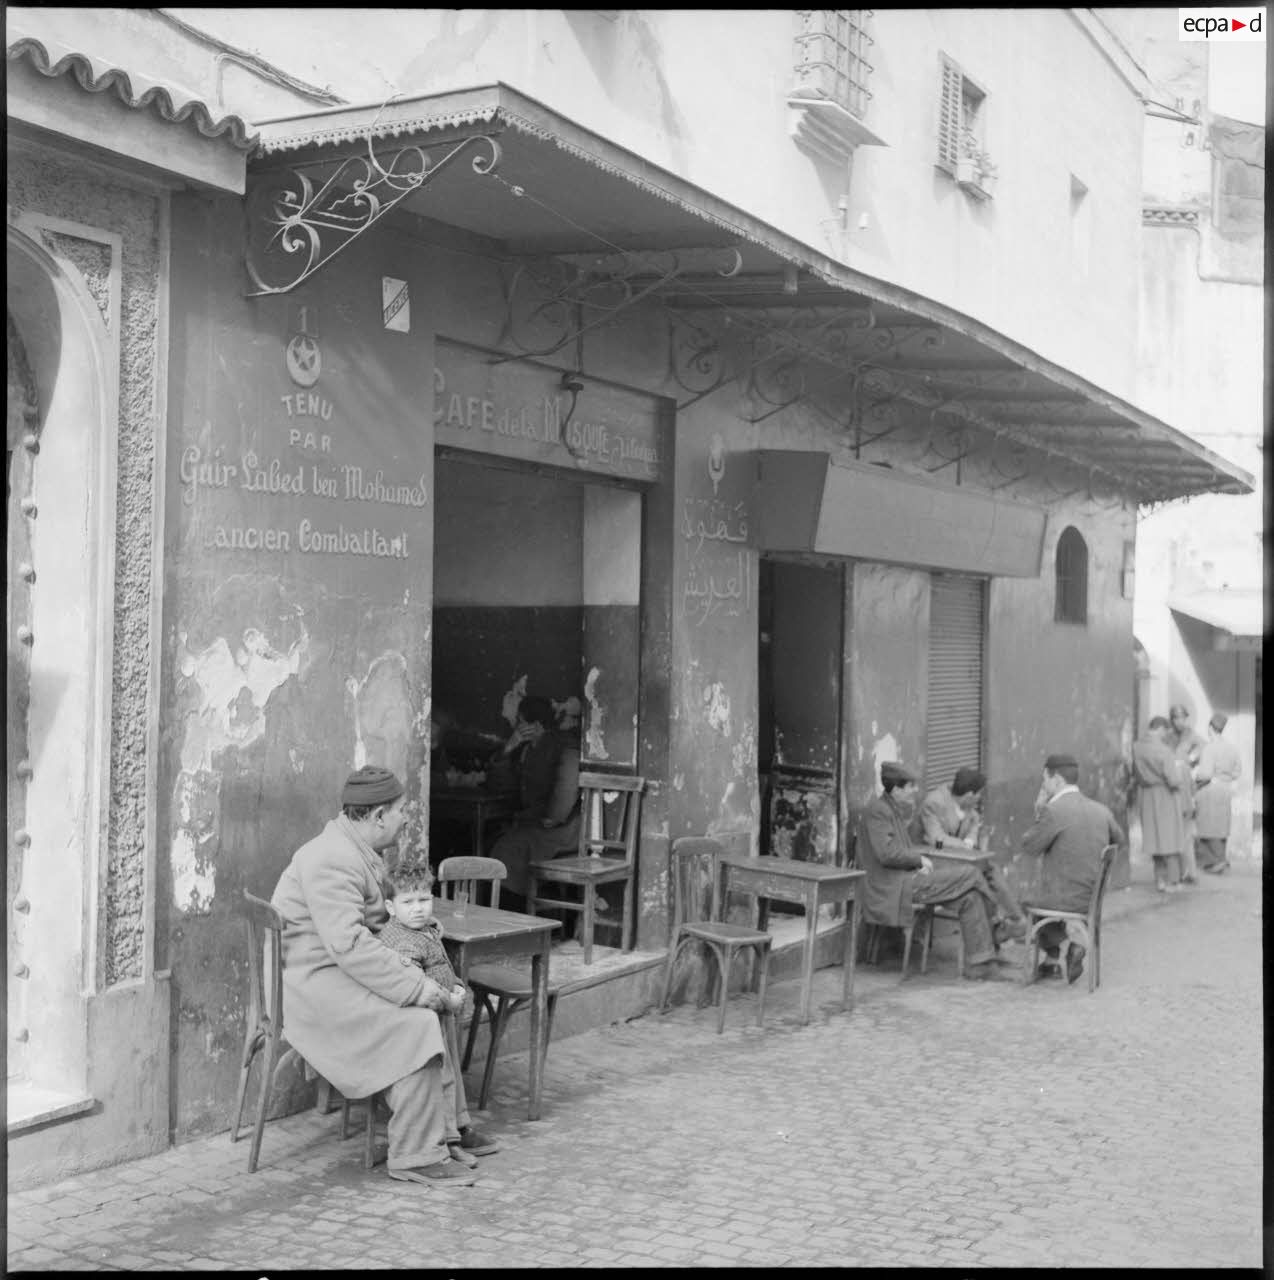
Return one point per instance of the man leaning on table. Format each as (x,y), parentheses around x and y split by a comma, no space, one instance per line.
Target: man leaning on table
(1070,831)
(951,818)
(363,1019)
(901,877)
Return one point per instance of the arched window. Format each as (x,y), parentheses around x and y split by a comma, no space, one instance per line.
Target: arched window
(1072,577)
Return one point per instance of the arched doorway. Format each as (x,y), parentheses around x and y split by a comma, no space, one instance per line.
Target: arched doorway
(60,475)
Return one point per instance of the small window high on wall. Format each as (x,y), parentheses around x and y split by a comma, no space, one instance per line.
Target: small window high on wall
(1072,577)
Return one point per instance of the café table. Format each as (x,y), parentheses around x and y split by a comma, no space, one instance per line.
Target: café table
(486,933)
(473,807)
(810,884)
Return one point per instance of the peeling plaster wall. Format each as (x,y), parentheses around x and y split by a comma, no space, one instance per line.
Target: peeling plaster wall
(298,563)
(1060,686)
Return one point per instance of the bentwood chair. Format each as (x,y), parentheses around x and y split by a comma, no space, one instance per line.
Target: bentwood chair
(919,930)
(500,989)
(1085,923)
(691,856)
(265,1029)
(610,809)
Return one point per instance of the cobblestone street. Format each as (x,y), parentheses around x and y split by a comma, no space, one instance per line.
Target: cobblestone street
(939,1124)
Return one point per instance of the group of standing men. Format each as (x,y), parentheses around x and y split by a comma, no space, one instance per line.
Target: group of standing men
(1185,785)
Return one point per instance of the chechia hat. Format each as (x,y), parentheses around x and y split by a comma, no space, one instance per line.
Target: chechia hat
(372,784)
(1060,760)
(893,772)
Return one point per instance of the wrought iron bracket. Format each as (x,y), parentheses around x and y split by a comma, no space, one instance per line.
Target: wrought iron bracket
(311,224)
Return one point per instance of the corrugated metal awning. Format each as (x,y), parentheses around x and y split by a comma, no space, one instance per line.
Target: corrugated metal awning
(561,189)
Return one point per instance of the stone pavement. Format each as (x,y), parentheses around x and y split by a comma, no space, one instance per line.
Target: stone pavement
(939,1123)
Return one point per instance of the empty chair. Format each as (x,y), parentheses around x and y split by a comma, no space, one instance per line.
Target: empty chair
(610,808)
(265,1029)
(1087,924)
(691,856)
(501,989)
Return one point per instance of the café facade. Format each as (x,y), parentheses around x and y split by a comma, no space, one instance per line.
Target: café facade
(457,401)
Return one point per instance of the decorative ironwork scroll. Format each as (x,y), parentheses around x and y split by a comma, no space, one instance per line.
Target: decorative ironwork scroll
(548,299)
(312,224)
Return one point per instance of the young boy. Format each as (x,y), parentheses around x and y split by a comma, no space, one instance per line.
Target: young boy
(416,936)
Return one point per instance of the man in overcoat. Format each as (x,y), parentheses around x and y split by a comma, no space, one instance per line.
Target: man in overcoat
(1187,745)
(352,1009)
(1070,831)
(900,877)
(1218,770)
(1159,785)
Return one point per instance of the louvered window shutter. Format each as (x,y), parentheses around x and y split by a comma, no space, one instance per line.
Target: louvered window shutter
(953,723)
(950,114)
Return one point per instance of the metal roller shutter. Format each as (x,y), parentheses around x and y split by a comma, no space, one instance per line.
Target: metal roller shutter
(953,729)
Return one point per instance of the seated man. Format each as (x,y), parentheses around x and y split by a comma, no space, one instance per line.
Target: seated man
(547,819)
(360,1017)
(1070,831)
(951,817)
(900,877)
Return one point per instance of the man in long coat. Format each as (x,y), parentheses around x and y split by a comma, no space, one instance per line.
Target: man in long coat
(1159,785)
(900,877)
(1070,831)
(352,1009)
(1218,770)
(1187,745)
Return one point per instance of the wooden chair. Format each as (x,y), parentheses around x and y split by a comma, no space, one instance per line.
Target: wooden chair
(501,989)
(940,912)
(265,1029)
(606,854)
(1088,923)
(922,921)
(688,857)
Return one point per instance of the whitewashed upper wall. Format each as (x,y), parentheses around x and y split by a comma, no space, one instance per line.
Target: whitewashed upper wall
(703,93)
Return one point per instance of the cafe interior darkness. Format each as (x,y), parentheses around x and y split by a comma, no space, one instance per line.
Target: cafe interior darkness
(536,591)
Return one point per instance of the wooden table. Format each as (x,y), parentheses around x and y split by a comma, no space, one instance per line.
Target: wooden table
(808,883)
(486,933)
(472,807)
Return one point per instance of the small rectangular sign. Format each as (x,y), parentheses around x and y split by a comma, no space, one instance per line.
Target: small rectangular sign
(396,304)
(1214,23)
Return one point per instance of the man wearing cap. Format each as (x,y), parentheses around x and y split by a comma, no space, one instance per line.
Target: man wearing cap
(1070,831)
(1159,783)
(900,877)
(950,817)
(352,1009)
(1218,770)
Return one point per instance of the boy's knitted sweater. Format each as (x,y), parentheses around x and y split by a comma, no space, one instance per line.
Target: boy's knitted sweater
(423,947)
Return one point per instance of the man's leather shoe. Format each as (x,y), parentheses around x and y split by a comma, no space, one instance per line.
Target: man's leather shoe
(1075,963)
(446,1173)
(477,1143)
(1048,969)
